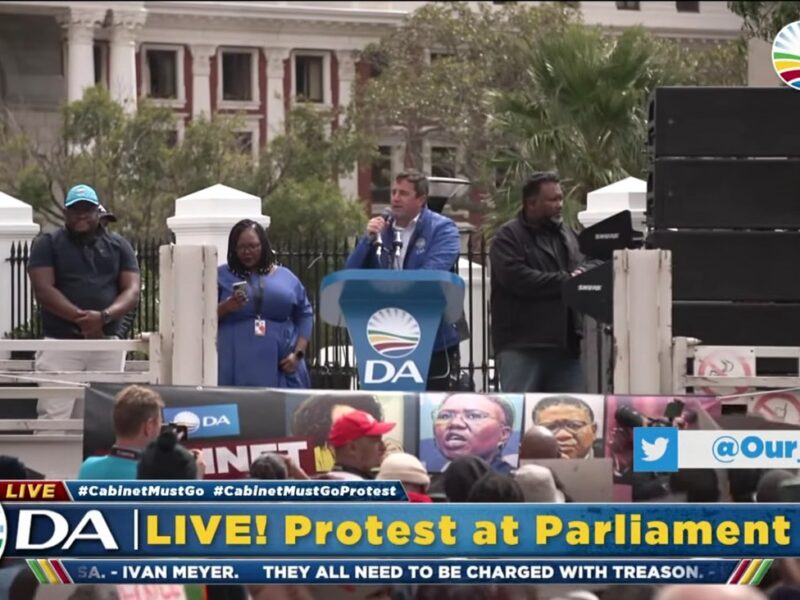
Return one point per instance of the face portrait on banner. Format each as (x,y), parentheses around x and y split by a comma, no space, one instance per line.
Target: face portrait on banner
(470,424)
(311,415)
(575,420)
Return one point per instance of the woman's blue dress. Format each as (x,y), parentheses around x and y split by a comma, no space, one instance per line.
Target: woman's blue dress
(247,359)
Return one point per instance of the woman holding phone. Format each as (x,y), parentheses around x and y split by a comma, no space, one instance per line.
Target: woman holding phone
(265,318)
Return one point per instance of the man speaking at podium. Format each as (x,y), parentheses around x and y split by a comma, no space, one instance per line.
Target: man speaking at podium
(413,237)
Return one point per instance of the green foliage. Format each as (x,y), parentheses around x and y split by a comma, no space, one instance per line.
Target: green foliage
(312,209)
(475,49)
(580,108)
(765,19)
(138,174)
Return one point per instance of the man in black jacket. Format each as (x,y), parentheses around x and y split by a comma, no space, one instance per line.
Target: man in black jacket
(536,336)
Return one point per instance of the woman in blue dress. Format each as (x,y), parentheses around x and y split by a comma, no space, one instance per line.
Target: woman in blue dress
(265,318)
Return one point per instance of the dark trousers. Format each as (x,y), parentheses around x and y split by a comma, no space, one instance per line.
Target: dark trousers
(540,370)
(445,370)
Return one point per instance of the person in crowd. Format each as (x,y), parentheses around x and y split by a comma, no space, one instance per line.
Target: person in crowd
(165,458)
(315,415)
(461,475)
(699,485)
(265,318)
(572,422)
(770,483)
(85,279)
(137,419)
(430,241)
(274,466)
(474,424)
(17,581)
(406,468)
(357,439)
(704,592)
(539,442)
(742,484)
(538,484)
(536,336)
(495,487)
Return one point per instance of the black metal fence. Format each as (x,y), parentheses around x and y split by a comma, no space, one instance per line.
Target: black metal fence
(330,356)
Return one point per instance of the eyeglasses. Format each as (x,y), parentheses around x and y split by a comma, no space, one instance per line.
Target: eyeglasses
(569,425)
(469,416)
(248,248)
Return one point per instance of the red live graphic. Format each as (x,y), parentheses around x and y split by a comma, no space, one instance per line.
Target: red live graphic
(43,491)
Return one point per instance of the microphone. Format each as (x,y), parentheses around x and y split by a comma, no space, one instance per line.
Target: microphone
(377,241)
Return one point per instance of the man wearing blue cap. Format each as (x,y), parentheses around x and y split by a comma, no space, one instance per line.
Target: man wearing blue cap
(85,279)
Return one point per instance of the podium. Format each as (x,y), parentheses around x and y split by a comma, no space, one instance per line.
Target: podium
(393,318)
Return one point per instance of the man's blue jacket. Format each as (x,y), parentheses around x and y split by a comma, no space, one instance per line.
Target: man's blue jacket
(434,246)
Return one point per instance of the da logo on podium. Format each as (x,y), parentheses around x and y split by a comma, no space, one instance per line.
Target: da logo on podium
(393,333)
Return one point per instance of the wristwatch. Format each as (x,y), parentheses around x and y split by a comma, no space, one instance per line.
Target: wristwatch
(299,354)
(106,317)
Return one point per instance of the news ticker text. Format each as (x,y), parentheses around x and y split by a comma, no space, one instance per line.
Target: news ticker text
(382,572)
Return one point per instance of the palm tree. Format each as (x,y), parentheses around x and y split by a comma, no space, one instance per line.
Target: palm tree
(580,109)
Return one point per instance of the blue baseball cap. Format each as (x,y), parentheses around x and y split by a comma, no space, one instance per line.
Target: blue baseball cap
(81,193)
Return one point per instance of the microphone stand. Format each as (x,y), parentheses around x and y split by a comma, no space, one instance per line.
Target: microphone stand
(397,245)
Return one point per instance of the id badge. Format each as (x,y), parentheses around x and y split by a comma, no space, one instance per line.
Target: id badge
(260,327)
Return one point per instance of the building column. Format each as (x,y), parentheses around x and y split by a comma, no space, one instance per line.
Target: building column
(276,111)
(79,25)
(201,79)
(122,80)
(348,183)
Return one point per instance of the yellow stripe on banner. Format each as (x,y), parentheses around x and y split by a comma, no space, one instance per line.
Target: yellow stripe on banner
(751,570)
(48,571)
(787,64)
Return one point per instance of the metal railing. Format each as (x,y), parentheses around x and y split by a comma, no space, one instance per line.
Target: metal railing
(330,359)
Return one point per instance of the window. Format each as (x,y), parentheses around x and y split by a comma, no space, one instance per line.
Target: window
(688,7)
(237,76)
(100,63)
(443,161)
(162,73)
(627,5)
(172,138)
(382,176)
(244,142)
(309,78)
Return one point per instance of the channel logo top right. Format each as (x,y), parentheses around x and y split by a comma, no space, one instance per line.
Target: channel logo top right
(655,449)
(786,55)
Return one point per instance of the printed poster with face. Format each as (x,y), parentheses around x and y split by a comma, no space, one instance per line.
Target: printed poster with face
(311,414)
(576,420)
(462,424)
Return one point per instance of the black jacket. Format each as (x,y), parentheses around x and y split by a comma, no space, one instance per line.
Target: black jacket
(527,273)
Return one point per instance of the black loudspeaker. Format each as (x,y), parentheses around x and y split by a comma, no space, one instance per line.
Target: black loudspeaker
(724,194)
(737,324)
(724,122)
(731,266)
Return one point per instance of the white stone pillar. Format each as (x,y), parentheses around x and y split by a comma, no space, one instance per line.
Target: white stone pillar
(122,80)
(347,75)
(206,217)
(276,111)
(16,225)
(201,79)
(79,24)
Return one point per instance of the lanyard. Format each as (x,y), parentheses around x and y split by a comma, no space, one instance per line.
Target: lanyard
(258,296)
(128,453)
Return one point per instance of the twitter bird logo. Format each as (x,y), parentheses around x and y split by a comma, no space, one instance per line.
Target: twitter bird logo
(655,449)
(653,452)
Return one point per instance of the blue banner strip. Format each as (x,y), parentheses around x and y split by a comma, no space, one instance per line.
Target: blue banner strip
(388,571)
(236,491)
(402,530)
